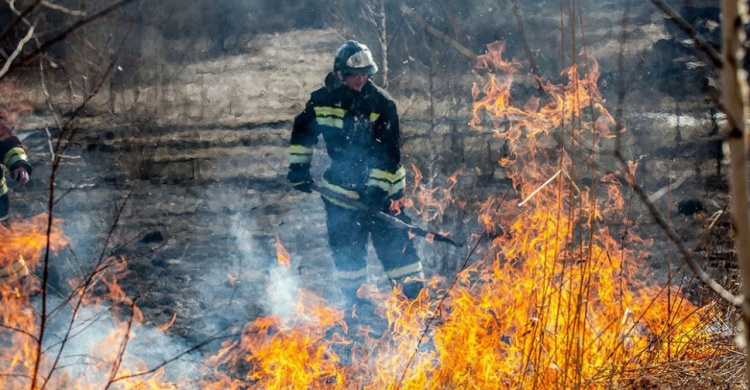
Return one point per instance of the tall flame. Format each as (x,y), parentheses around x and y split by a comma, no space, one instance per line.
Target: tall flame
(557,301)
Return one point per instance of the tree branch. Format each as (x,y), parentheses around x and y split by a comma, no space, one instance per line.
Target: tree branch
(19,48)
(60,37)
(734,93)
(466,52)
(684,25)
(18,19)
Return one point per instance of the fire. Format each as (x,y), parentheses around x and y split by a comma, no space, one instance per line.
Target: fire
(30,358)
(574,303)
(279,353)
(431,203)
(282,255)
(557,301)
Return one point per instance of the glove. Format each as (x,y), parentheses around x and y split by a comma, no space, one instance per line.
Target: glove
(300,180)
(375,199)
(20,175)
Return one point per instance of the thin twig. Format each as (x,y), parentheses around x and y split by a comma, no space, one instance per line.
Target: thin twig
(527,47)
(63,35)
(674,237)
(62,9)
(445,296)
(546,183)
(685,26)
(19,48)
(466,52)
(216,336)
(20,16)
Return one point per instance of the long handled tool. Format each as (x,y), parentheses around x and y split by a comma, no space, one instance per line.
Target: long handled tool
(393,221)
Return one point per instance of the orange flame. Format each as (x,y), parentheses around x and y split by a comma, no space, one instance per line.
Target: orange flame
(21,324)
(282,256)
(557,302)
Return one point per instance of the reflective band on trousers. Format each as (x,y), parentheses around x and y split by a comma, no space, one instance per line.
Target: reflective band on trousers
(414,269)
(392,177)
(390,189)
(353,195)
(299,154)
(352,277)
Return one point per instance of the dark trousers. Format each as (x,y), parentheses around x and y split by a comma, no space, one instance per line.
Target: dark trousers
(4,206)
(348,231)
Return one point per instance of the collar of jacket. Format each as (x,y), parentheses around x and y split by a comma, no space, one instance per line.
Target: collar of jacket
(332,82)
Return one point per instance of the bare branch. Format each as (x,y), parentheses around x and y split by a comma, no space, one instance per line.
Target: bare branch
(19,48)
(526,47)
(18,19)
(63,35)
(685,26)
(687,255)
(216,336)
(62,9)
(466,52)
(734,99)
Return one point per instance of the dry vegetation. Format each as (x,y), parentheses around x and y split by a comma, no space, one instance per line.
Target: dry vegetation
(115,63)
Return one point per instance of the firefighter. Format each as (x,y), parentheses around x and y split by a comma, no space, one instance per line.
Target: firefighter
(13,157)
(360,126)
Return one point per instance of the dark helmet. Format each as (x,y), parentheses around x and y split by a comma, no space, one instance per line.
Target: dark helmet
(354,57)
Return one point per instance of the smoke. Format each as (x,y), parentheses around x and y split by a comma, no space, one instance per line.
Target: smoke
(281,291)
(88,344)
(280,294)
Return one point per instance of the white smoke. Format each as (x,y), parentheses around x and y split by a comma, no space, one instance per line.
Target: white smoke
(87,352)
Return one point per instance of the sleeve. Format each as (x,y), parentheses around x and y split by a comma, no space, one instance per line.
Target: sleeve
(302,143)
(386,171)
(13,155)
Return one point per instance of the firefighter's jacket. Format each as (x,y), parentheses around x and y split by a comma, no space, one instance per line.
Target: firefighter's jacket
(361,134)
(12,155)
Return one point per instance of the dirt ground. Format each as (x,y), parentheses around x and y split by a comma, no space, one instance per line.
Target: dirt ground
(199,201)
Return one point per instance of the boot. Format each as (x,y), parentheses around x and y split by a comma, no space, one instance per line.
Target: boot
(412,289)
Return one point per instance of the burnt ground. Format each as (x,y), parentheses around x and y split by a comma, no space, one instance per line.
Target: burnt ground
(197,196)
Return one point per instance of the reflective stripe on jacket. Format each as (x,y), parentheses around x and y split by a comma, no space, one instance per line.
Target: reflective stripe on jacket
(362,137)
(12,155)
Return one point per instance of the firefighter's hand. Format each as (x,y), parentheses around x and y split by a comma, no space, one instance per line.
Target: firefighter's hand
(301,181)
(20,175)
(375,199)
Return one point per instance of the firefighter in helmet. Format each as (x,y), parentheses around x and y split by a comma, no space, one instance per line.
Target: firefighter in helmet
(13,157)
(360,126)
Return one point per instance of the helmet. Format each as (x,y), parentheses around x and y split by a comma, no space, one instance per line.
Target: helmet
(354,57)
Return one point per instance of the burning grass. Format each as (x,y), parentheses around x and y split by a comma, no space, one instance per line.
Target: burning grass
(560,300)
(557,302)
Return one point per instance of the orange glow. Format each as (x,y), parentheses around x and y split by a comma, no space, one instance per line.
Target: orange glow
(282,256)
(20,328)
(168,325)
(557,301)
(430,203)
(284,353)
(561,299)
